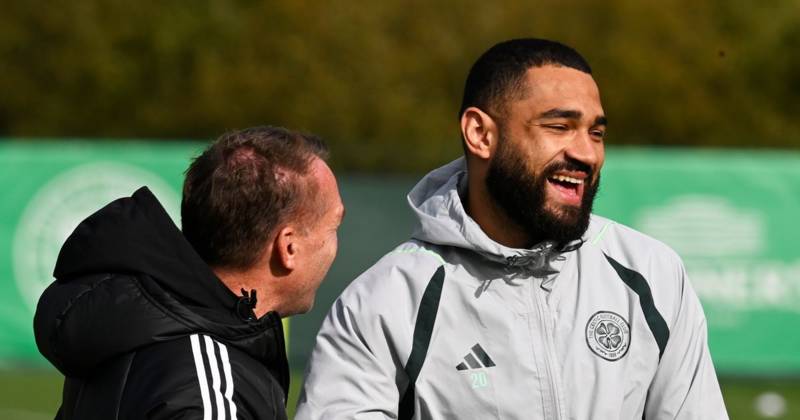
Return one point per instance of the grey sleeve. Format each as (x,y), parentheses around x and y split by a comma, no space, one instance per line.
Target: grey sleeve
(354,369)
(685,385)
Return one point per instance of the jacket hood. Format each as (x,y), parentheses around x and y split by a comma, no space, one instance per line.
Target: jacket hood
(135,235)
(442,220)
(126,278)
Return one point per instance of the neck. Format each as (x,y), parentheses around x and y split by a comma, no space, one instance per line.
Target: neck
(492,219)
(248,280)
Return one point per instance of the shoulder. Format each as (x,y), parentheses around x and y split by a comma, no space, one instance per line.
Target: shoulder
(385,299)
(648,265)
(67,327)
(199,374)
(627,245)
(402,273)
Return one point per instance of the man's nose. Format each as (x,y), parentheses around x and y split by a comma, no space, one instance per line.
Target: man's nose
(583,148)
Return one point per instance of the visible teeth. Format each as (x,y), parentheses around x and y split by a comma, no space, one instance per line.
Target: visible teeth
(569,179)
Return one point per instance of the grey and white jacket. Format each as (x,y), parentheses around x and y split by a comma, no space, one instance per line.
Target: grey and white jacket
(452,325)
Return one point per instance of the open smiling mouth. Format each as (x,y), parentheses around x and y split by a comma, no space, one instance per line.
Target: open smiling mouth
(570,188)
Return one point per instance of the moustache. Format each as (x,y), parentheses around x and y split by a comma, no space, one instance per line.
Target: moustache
(568,166)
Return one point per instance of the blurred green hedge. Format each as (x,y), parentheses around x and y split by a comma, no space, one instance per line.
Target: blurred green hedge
(381,81)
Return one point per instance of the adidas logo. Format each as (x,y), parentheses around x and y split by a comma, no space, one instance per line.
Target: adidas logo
(476,359)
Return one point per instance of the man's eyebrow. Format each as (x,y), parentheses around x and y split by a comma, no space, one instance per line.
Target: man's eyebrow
(562,113)
(569,114)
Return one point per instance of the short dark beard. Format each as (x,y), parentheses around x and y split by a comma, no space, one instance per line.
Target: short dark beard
(521,194)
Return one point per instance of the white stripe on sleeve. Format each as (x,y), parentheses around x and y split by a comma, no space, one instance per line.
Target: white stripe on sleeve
(226,367)
(201,376)
(215,385)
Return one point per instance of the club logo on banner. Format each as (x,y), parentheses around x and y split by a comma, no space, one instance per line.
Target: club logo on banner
(725,248)
(63,202)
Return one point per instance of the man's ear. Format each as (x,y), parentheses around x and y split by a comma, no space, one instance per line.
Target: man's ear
(286,247)
(479,132)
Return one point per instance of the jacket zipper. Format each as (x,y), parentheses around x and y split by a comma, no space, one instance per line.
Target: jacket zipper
(550,357)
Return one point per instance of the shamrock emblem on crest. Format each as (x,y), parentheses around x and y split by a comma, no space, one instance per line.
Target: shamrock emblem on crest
(608,335)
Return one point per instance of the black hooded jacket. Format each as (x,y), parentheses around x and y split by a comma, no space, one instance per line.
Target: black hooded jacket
(142,328)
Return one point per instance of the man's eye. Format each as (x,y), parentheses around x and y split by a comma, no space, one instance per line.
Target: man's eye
(598,133)
(557,127)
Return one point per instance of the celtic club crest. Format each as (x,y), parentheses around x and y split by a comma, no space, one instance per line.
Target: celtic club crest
(608,335)
(60,204)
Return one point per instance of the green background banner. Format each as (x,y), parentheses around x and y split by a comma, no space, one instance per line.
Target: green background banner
(733,218)
(731,215)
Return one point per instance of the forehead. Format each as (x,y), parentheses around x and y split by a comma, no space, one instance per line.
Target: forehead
(321,173)
(551,87)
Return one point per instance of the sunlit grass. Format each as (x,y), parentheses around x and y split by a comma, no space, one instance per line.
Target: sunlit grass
(36,395)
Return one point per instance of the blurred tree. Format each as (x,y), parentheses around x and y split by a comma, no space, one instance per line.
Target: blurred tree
(382,80)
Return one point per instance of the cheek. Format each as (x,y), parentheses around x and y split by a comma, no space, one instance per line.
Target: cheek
(601,158)
(536,158)
(333,246)
(327,249)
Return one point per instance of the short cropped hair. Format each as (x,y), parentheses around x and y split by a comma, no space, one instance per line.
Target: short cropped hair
(499,74)
(242,187)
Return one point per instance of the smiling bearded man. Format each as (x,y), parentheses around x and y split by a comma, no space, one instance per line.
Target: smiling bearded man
(523,195)
(512,300)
